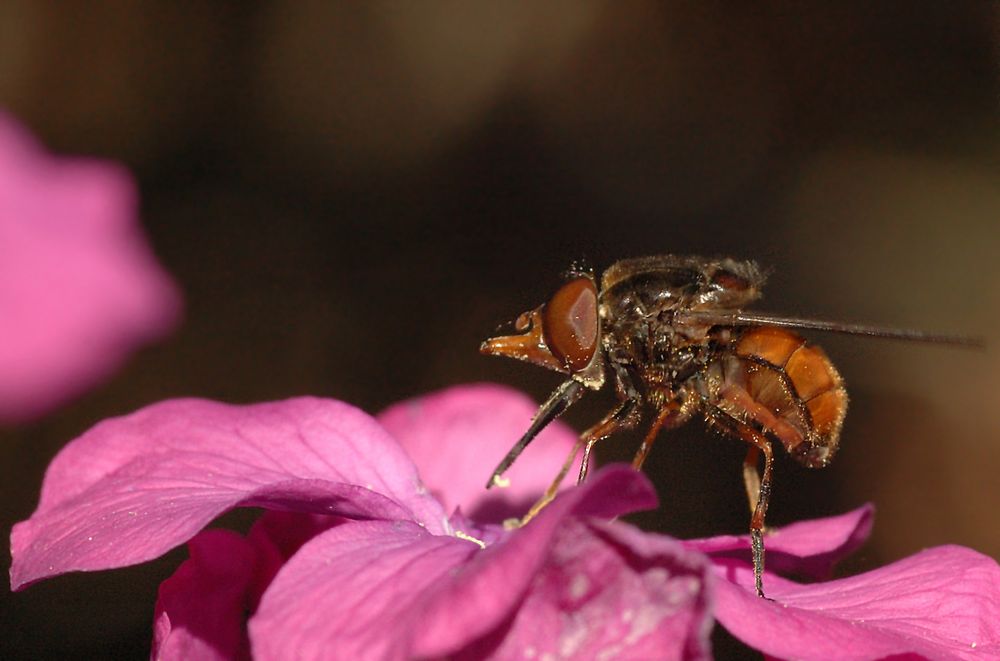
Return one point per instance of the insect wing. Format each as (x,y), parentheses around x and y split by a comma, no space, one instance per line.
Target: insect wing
(741,318)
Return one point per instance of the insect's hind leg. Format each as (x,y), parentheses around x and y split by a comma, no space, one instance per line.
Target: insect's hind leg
(758,486)
(623,416)
(759,444)
(751,476)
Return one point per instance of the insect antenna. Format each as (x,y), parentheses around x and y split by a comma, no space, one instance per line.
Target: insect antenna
(564,396)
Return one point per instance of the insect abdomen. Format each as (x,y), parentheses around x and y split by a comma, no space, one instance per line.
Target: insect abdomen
(788,388)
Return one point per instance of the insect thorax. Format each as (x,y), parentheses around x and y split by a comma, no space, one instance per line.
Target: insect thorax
(640,336)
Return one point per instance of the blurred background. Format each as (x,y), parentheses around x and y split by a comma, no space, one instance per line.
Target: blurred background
(353,195)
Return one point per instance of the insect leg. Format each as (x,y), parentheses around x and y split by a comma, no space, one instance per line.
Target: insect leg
(647,442)
(758,487)
(623,416)
(670,416)
(751,476)
(560,400)
(760,508)
(759,500)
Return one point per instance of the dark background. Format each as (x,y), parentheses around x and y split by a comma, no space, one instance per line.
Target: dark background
(353,195)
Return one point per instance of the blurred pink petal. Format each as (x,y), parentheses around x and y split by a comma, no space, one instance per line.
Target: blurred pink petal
(201,609)
(559,586)
(942,603)
(79,287)
(810,548)
(457,436)
(134,487)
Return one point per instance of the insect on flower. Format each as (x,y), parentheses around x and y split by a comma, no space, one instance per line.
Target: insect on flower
(673,335)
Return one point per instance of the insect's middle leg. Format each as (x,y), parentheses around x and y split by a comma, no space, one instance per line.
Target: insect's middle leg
(623,416)
(671,415)
(647,442)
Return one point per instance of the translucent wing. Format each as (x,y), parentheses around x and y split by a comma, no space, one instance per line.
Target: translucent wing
(743,318)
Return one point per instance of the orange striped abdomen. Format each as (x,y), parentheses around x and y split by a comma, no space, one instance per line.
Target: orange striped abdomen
(777,382)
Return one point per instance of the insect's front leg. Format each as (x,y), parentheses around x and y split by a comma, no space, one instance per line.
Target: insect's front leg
(561,399)
(623,416)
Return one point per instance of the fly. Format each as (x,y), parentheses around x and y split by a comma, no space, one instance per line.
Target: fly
(672,334)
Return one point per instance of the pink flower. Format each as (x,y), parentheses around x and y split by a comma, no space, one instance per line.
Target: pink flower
(79,288)
(355,558)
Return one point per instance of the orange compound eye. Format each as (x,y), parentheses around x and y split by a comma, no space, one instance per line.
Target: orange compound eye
(571,325)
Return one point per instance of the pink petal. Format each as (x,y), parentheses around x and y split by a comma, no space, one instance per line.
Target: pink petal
(286,532)
(201,609)
(498,578)
(394,591)
(277,536)
(607,591)
(134,487)
(943,603)
(351,593)
(456,437)
(810,548)
(79,286)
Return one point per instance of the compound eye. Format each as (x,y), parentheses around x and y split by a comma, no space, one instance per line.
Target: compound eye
(571,325)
